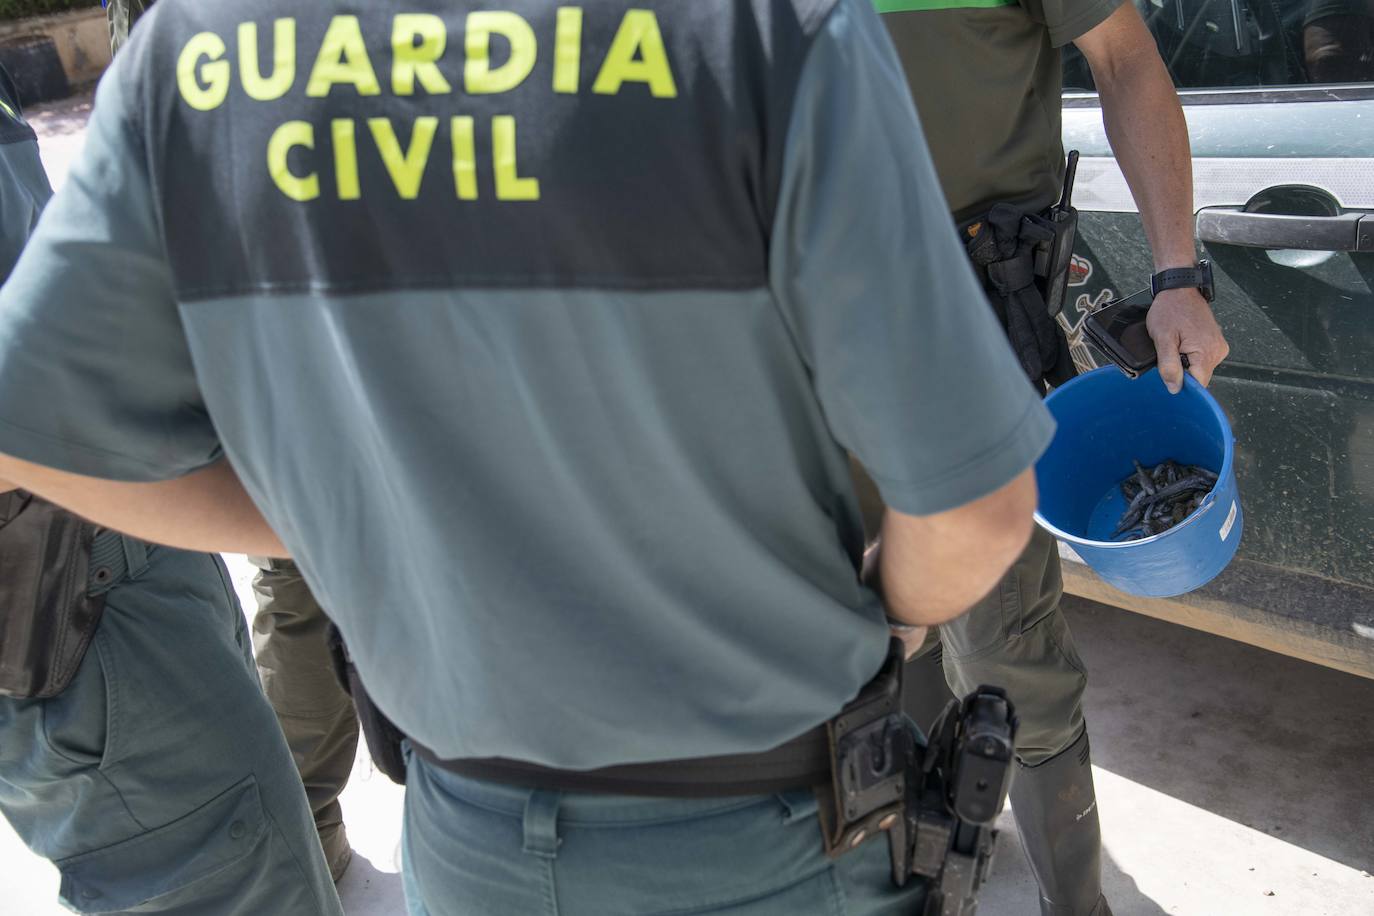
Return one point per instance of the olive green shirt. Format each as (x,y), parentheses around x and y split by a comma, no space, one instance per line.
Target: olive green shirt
(986,77)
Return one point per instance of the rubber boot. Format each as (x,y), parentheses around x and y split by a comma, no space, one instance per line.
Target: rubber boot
(1056,814)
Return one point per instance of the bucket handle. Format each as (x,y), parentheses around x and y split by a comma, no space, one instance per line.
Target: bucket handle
(1207,502)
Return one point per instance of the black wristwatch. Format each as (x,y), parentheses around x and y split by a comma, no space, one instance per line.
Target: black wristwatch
(1199,278)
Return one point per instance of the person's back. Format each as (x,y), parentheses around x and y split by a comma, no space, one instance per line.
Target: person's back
(590,200)
(562,318)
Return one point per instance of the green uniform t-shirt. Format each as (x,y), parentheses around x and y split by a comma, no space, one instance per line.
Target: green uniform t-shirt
(543,353)
(986,77)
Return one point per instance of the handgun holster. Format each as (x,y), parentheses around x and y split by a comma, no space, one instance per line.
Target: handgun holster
(1005,245)
(382,736)
(48,611)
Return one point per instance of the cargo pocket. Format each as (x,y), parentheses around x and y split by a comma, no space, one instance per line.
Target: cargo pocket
(1027,594)
(986,625)
(161,868)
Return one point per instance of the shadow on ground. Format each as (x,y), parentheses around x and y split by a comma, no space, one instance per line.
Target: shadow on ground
(364,888)
(1012,891)
(1124,895)
(1224,726)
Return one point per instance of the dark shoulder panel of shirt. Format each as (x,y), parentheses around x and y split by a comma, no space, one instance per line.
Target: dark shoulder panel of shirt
(611,145)
(13,128)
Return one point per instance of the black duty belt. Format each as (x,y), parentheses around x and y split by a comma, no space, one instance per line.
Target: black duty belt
(802,763)
(871,770)
(805,762)
(1023,260)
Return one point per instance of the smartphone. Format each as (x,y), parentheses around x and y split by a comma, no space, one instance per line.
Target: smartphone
(1118,330)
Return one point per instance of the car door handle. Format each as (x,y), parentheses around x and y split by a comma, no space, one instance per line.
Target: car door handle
(1352,231)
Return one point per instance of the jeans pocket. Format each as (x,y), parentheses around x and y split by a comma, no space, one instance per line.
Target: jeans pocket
(160,870)
(817,895)
(77,722)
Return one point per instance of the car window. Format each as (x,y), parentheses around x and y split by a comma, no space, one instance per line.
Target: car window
(1211,44)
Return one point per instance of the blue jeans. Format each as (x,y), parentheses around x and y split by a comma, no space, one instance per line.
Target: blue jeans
(159,781)
(476,848)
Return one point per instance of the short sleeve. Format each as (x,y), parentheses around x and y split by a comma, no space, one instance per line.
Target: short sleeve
(911,369)
(95,372)
(1067,20)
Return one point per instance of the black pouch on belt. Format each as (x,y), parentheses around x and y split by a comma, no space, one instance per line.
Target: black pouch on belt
(382,736)
(1007,245)
(48,613)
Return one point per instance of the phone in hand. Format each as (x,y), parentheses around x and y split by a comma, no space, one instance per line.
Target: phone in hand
(1118,330)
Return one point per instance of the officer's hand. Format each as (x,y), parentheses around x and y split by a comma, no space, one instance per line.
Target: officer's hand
(913,638)
(1181,321)
(6,486)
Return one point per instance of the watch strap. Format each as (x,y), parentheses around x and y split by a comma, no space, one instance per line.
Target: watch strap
(1199,278)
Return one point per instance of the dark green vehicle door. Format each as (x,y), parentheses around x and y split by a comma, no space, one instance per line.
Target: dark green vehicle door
(1279,97)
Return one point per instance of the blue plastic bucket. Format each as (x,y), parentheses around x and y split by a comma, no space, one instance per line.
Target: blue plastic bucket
(1107,421)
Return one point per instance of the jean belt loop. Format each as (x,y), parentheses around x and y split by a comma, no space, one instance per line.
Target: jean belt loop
(136,556)
(541,823)
(109,561)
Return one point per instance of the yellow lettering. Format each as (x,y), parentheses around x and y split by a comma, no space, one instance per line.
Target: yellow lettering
(411,61)
(637,55)
(207,91)
(478,75)
(284,138)
(464,159)
(406,168)
(509,184)
(283,60)
(567,50)
(343,59)
(345,158)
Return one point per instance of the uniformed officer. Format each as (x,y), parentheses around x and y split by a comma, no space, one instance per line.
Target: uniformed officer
(137,752)
(562,317)
(290,633)
(986,80)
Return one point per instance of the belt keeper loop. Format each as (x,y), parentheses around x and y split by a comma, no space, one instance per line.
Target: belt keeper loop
(109,561)
(541,824)
(136,556)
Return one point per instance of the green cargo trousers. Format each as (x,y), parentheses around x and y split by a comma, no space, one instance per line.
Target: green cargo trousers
(290,640)
(1017,638)
(157,781)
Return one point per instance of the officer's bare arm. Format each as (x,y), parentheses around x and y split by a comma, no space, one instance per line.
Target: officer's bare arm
(206,510)
(932,568)
(1149,136)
